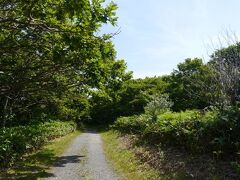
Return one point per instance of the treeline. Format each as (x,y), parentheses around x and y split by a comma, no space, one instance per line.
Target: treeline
(56,65)
(196,107)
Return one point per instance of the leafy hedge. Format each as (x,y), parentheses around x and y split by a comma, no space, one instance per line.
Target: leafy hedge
(212,131)
(132,124)
(16,141)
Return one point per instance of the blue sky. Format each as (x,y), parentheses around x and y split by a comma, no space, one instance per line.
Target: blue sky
(158,34)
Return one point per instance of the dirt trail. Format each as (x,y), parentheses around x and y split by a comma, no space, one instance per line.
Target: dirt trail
(84,159)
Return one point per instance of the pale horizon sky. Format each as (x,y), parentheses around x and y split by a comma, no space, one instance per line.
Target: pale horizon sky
(156,35)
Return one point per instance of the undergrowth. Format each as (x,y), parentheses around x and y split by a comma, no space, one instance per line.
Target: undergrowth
(197,132)
(17,141)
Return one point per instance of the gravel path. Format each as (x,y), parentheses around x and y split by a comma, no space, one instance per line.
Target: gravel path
(84,159)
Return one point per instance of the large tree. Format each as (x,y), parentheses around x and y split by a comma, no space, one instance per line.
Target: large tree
(50,52)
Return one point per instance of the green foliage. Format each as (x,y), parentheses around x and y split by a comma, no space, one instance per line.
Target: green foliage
(51,55)
(39,161)
(195,85)
(126,99)
(226,66)
(132,124)
(17,141)
(158,106)
(212,131)
(135,94)
(186,129)
(187,85)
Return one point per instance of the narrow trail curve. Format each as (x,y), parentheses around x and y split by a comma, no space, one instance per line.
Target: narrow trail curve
(84,159)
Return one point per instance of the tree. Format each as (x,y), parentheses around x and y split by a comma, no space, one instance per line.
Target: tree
(129,98)
(226,65)
(49,51)
(136,93)
(185,85)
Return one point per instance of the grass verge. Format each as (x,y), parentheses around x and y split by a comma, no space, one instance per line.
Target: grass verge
(147,161)
(124,161)
(36,165)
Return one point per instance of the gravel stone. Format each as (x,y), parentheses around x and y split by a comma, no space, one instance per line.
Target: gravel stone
(84,159)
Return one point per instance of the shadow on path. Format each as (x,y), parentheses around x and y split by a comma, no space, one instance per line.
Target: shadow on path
(36,166)
(63,160)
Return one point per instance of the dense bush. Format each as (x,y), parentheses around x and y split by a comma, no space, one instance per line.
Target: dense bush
(132,124)
(196,131)
(17,141)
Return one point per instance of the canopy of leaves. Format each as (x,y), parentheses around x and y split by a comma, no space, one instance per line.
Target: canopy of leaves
(185,85)
(52,56)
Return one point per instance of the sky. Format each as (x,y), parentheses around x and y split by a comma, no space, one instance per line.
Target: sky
(156,35)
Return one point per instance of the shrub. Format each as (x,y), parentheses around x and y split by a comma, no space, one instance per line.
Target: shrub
(211,131)
(17,141)
(158,106)
(132,124)
(187,129)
